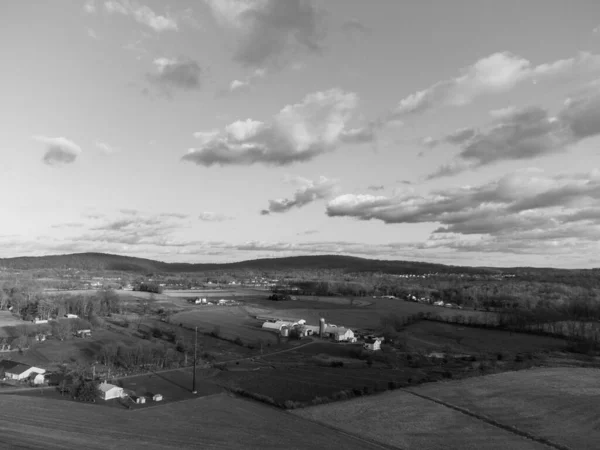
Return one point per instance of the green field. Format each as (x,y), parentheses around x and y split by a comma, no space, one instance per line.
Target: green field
(435,336)
(214,422)
(403,420)
(559,404)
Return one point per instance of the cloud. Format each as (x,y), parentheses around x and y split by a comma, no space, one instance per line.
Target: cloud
(497,73)
(142,14)
(105,148)
(379,187)
(268,31)
(68,225)
(309,192)
(90,7)
(353,27)
(526,133)
(527,211)
(308,232)
(184,74)
(247,83)
(208,216)
(91,33)
(299,132)
(59,150)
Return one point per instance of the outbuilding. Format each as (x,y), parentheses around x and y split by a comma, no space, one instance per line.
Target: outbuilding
(157,397)
(109,391)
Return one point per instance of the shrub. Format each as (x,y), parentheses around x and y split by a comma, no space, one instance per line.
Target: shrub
(157,333)
(238,341)
(337,363)
(392,385)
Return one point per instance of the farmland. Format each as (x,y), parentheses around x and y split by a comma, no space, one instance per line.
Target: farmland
(211,422)
(403,420)
(232,322)
(436,336)
(559,404)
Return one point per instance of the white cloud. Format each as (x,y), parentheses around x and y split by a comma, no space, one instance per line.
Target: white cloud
(268,30)
(91,33)
(105,148)
(496,73)
(90,6)
(237,85)
(59,150)
(142,14)
(308,192)
(299,132)
(209,216)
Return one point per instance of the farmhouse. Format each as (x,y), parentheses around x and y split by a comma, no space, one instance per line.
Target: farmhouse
(372,344)
(343,335)
(17,371)
(83,333)
(109,391)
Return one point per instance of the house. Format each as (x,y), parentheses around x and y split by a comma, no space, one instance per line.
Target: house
(109,391)
(83,333)
(40,337)
(372,344)
(157,397)
(38,320)
(18,371)
(439,303)
(139,399)
(71,316)
(344,335)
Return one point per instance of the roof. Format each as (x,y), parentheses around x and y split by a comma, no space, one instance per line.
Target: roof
(6,364)
(105,387)
(371,340)
(342,331)
(18,369)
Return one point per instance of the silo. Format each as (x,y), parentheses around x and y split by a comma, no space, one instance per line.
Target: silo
(321,327)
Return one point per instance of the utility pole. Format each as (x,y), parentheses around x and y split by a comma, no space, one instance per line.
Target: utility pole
(195,355)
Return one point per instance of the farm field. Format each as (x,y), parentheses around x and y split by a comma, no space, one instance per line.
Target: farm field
(436,336)
(406,421)
(213,422)
(81,350)
(559,404)
(232,322)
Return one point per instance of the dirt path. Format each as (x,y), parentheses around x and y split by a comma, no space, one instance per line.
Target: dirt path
(490,421)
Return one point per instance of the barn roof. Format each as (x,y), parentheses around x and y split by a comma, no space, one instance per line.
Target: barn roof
(6,364)
(18,369)
(105,387)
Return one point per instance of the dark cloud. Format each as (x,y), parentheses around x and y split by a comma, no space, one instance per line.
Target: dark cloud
(378,187)
(354,27)
(270,31)
(170,74)
(526,206)
(208,216)
(309,192)
(527,133)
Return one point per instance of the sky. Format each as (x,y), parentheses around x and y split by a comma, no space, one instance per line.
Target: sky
(461,132)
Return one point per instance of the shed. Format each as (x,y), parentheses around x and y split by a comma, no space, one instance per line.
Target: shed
(18,371)
(157,397)
(109,391)
(37,378)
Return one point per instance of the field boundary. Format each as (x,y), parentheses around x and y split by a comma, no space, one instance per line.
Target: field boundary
(490,421)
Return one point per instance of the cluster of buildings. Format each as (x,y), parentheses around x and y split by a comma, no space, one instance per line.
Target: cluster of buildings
(13,370)
(204,301)
(323,330)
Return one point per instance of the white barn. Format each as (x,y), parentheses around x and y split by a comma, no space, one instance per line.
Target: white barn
(109,391)
(19,371)
(344,335)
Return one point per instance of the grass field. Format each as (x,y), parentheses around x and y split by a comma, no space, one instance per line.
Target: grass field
(406,421)
(8,320)
(215,422)
(559,404)
(81,350)
(232,322)
(436,336)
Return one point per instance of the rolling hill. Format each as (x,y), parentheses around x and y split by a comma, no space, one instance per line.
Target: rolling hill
(350,264)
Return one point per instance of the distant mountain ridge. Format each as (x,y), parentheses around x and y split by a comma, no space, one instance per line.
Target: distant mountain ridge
(105,261)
